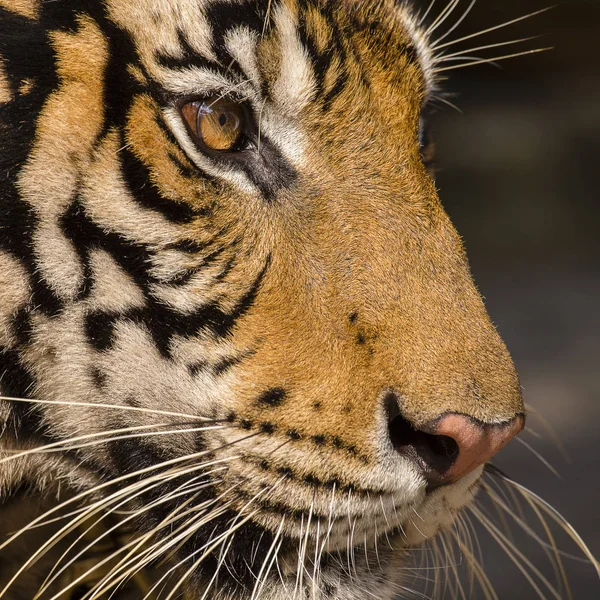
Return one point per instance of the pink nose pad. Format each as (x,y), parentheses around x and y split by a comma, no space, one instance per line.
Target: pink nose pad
(477,443)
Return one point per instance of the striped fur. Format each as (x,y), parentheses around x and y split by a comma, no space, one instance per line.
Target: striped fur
(277,297)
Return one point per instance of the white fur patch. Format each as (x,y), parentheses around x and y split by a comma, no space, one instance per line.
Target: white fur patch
(57,259)
(241,43)
(135,368)
(295,86)
(421,40)
(113,290)
(110,205)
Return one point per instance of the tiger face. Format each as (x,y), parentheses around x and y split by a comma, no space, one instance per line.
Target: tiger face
(225,268)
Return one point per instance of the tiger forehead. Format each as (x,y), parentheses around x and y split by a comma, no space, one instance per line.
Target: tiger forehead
(309,42)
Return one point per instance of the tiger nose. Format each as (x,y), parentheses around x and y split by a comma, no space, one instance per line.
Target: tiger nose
(453,446)
(477,443)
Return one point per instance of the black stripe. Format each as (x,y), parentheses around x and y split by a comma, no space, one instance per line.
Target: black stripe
(270,171)
(336,89)
(136,176)
(226,16)
(16,380)
(189,58)
(86,235)
(184,277)
(162,321)
(320,60)
(26,54)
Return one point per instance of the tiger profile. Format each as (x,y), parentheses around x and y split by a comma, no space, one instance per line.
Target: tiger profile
(238,332)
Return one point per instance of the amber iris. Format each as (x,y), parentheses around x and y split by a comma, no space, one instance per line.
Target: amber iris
(218,124)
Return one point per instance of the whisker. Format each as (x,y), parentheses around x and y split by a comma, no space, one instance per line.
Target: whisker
(229,90)
(69,444)
(551,512)
(484,582)
(104,485)
(444,57)
(135,562)
(441,18)
(491,61)
(90,512)
(490,29)
(54,575)
(426,13)
(539,457)
(267,20)
(220,539)
(457,24)
(104,405)
(549,430)
(516,556)
(268,563)
(552,547)
(213,544)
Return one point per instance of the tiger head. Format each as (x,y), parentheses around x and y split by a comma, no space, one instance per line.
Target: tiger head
(223,260)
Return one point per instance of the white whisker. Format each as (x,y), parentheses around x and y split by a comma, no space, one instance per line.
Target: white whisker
(443,57)
(491,61)
(104,405)
(62,445)
(441,18)
(457,24)
(516,556)
(490,29)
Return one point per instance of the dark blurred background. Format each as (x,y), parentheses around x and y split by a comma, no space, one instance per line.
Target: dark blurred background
(518,174)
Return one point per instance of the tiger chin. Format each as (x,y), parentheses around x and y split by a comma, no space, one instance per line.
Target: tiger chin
(234,316)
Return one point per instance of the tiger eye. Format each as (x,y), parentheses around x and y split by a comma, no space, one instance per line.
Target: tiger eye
(218,124)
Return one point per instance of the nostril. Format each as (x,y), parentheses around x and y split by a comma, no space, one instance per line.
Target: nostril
(450,447)
(435,454)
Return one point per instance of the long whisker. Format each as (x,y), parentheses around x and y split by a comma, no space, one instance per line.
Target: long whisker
(558,442)
(191,528)
(516,556)
(104,405)
(104,485)
(184,489)
(135,562)
(439,20)
(490,29)
(426,13)
(268,564)
(444,57)
(220,539)
(90,512)
(486,585)
(552,547)
(103,438)
(107,533)
(457,24)
(480,61)
(551,512)
(539,457)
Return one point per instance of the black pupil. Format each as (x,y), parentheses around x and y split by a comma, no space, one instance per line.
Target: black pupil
(223,120)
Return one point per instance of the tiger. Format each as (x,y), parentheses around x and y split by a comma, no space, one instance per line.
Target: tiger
(238,331)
